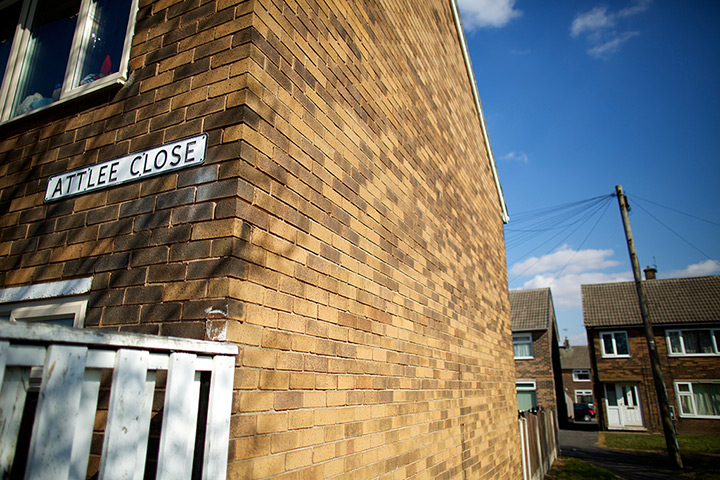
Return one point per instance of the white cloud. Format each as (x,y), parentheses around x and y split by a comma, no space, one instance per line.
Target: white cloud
(599,28)
(573,261)
(595,19)
(565,269)
(487,13)
(611,46)
(708,267)
(566,287)
(516,157)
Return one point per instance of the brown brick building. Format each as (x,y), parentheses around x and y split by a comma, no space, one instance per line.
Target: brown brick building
(311,181)
(576,378)
(538,377)
(685,313)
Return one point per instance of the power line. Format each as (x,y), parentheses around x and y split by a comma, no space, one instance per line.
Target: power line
(635,197)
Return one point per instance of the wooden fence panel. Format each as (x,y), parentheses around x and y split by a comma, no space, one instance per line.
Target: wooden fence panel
(70,362)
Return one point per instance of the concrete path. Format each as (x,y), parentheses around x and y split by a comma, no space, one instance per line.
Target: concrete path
(631,465)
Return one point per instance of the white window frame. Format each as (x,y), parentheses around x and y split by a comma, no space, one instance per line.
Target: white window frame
(583,393)
(713,341)
(690,394)
(81,37)
(526,385)
(47,310)
(523,338)
(577,371)
(614,344)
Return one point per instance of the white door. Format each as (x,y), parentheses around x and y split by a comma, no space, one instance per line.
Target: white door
(622,404)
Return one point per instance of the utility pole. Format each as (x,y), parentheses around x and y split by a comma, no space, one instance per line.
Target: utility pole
(670,438)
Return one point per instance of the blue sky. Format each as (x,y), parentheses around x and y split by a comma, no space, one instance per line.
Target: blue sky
(583,95)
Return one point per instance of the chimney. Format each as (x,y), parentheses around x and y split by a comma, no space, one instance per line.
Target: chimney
(566,343)
(650,273)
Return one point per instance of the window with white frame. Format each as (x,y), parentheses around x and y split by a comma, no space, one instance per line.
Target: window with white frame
(705,341)
(53,50)
(581,375)
(522,345)
(526,394)
(698,399)
(583,396)
(615,344)
(69,312)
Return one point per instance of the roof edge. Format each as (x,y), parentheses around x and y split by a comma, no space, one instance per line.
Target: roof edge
(478,106)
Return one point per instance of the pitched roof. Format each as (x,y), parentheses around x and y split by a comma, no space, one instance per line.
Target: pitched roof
(530,309)
(671,300)
(575,357)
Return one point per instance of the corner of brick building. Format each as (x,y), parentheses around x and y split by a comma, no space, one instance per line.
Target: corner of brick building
(344,231)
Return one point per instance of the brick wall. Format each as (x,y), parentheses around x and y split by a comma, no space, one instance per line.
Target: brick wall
(636,369)
(540,369)
(345,230)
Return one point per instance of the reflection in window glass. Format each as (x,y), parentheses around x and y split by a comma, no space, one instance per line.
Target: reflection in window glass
(611,395)
(47,54)
(608,344)
(675,345)
(103,51)
(621,342)
(8,25)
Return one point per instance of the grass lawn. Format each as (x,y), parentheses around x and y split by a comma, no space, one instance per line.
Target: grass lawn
(706,444)
(566,468)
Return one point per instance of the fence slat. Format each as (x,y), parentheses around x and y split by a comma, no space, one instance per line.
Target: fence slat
(126,414)
(177,440)
(57,411)
(218,422)
(4,351)
(85,424)
(12,402)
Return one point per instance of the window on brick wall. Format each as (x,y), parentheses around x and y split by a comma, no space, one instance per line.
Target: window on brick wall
(54,50)
(583,396)
(693,342)
(522,345)
(526,394)
(69,312)
(698,399)
(615,344)
(581,375)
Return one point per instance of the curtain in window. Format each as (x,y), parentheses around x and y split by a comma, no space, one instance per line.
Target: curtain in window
(697,341)
(707,398)
(522,349)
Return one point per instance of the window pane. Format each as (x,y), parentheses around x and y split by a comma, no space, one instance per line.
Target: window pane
(717,341)
(8,24)
(526,400)
(607,344)
(611,394)
(105,40)
(675,345)
(522,349)
(621,343)
(46,55)
(686,404)
(697,341)
(707,398)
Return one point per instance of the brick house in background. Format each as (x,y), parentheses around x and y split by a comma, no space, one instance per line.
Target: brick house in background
(538,378)
(685,314)
(311,181)
(576,377)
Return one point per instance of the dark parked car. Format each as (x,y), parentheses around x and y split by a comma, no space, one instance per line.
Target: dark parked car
(584,411)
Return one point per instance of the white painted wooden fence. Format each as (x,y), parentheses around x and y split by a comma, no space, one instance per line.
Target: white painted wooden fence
(70,363)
